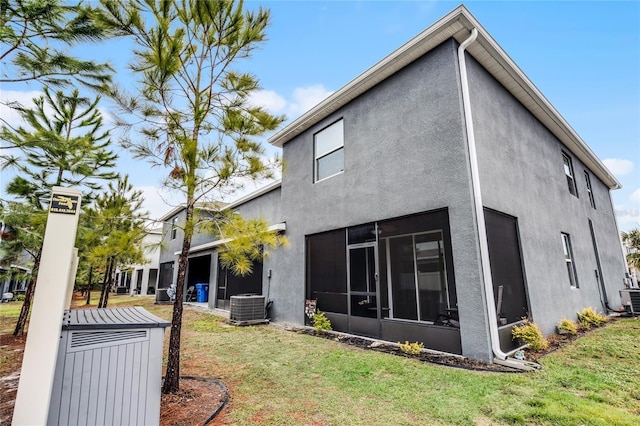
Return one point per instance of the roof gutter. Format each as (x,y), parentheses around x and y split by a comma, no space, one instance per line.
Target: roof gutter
(500,357)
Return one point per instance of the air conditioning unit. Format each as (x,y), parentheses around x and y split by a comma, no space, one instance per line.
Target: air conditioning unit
(630,298)
(247,309)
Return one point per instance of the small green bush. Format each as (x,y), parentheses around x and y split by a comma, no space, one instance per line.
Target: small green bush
(529,333)
(411,348)
(567,326)
(590,318)
(18,297)
(321,322)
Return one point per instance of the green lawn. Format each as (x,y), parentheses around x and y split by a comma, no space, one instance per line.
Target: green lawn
(277,377)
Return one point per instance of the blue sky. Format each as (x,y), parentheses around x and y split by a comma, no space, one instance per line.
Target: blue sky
(583,56)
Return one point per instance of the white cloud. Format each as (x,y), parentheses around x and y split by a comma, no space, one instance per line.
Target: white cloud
(301,100)
(618,166)
(9,115)
(635,196)
(268,99)
(627,218)
(305,98)
(159,201)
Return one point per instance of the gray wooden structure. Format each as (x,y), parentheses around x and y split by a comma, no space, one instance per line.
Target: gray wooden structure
(109,368)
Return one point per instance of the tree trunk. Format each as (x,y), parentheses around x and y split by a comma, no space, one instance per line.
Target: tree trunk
(172,377)
(106,284)
(28,296)
(90,283)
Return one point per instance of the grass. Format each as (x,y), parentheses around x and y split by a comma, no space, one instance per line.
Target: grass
(277,377)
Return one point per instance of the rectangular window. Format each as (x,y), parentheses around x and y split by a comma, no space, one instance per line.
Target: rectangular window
(328,151)
(568,258)
(568,171)
(174,227)
(587,181)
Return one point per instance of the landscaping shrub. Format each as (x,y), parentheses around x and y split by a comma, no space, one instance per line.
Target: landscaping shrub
(321,322)
(590,318)
(567,326)
(18,297)
(529,333)
(411,348)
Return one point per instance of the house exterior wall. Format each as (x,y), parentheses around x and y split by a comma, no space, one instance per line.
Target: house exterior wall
(404,152)
(169,246)
(266,206)
(521,174)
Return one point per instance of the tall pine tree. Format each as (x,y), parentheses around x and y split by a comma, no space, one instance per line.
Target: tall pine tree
(198,121)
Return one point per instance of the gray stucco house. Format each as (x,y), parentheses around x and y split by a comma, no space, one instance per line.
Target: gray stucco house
(438,197)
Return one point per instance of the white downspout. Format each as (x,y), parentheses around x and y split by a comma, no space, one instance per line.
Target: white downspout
(482,230)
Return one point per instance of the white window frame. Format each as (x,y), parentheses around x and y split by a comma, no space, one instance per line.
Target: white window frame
(335,146)
(587,180)
(568,258)
(570,174)
(174,228)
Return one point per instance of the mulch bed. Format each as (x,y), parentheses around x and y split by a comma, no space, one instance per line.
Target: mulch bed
(194,404)
(556,342)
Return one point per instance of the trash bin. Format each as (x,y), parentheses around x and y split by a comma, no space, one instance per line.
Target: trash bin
(109,368)
(203,292)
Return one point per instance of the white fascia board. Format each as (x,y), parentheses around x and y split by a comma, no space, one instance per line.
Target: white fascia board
(173,212)
(278,227)
(458,24)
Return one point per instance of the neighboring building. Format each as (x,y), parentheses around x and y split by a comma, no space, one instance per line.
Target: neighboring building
(15,275)
(633,273)
(436,198)
(145,276)
(14,279)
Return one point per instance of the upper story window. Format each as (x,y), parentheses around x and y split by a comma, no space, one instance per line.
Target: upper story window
(568,170)
(174,227)
(587,181)
(568,258)
(328,151)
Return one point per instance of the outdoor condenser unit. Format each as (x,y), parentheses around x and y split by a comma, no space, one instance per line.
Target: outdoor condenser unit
(247,309)
(630,298)
(109,368)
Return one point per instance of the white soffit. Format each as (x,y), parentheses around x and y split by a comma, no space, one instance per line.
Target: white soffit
(489,54)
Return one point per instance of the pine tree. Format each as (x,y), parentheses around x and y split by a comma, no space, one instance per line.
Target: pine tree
(35,38)
(65,147)
(118,226)
(198,121)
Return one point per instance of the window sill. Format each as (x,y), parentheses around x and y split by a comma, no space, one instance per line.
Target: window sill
(329,177)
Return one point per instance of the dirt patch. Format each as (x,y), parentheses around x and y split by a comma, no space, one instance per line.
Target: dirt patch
(11,350)
(194,404)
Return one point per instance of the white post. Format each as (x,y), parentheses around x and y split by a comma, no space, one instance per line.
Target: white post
(73,270)
(49,303)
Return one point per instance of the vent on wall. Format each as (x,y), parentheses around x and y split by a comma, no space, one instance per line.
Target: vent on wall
(247,309)
(83,340)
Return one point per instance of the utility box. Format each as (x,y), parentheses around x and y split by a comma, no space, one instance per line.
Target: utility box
(247,309)
(109,368)
(630,298)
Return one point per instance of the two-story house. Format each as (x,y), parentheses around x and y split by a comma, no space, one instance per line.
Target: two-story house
(437,197)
